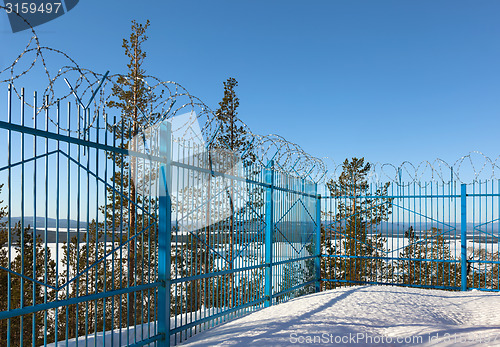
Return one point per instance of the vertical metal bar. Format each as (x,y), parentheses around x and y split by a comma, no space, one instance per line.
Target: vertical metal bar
(21,304)
(46,279)
(155,243)
(121,167)
(192,256)
(269,234)
(33,245)
(56,311)
(448,266)
(97,255)
(179,180)
(141,244)
(392,232)
(133,181)
(128,204)
(317,260)
(149,300)
(9,221)
(417,201)
(113,231)
(473,272)
(481,245)
(88,275)
(463,238)
(105,231)
(78,201)
(68,214)
(164,235)
(487,236)
(453,203)
(498,241)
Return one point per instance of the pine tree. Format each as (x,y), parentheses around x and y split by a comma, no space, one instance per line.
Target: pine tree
(427,260)
(132,176)
(26,291)
(92,277)
(330,251)
(232,139)
(232,134)
(3,224)
(3,214)
(359,247)
(38,258)
(481,273)
(130,210)
(410,265)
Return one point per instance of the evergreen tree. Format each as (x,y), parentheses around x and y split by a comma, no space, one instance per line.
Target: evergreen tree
(36,264)
(232,146)
(483,274)
(130,210)
(427,260)
(3,224)
(409,267)
(26,292)
(232,134)
(82,258)
(3,214)
(296,273)
(330,251)
(132,177)
(360,249)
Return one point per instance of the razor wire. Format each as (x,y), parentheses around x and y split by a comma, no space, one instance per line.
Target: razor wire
(167,99)
(470,168)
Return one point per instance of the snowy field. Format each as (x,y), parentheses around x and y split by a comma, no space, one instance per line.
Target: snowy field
(367,316)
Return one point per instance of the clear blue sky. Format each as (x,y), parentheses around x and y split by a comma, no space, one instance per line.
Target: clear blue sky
(387,80)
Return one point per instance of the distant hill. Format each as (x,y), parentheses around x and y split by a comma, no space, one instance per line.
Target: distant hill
(51,222)
(51,226)
(398,229)
(285,231)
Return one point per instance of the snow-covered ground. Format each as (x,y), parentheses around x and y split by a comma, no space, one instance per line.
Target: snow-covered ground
(367,316)
(133,334)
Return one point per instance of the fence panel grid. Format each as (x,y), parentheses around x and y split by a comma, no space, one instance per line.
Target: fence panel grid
(121,238)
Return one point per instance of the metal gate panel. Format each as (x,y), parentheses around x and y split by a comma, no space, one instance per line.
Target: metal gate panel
(71,230)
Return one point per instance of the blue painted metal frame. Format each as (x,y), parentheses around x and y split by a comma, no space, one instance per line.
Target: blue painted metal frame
(269,234)
(282,197)
(437,213)
(317,261)
(229,269)
(78,194)
(164,235)
(463,234)
(270,244)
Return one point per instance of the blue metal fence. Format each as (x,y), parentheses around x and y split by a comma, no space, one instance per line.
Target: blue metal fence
(111,239)
(79,230)
(429,235)
(243,237)
(117,239)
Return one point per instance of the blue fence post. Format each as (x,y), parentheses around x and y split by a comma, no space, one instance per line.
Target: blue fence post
(463,235)
(268,286)
(164,234)
(317,260)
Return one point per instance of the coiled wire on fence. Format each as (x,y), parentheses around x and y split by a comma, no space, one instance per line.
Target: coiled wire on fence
(472,167)
(169,99)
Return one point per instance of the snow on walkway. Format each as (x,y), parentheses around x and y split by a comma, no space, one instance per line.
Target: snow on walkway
(367,316)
